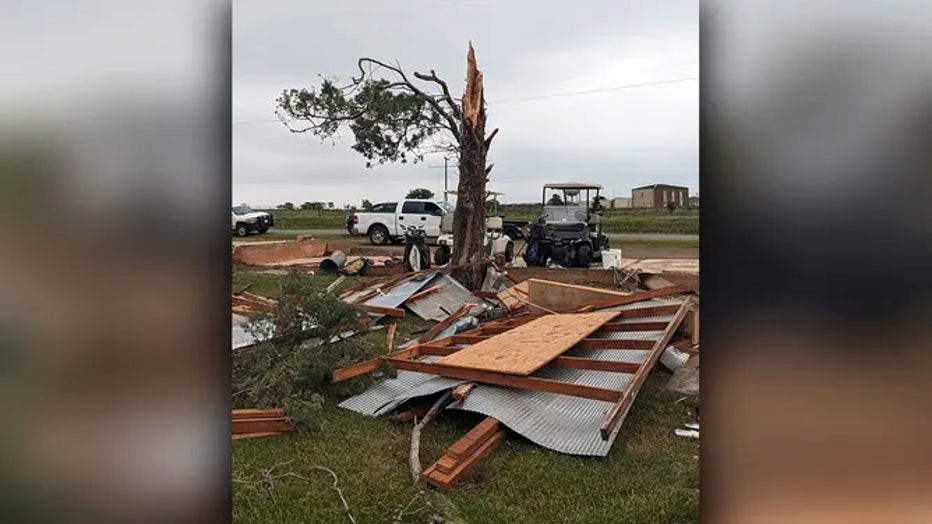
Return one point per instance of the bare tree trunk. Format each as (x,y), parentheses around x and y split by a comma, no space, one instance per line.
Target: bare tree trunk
(469,220)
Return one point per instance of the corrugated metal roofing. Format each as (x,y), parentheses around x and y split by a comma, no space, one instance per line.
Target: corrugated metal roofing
(559,422)
(388,394)
(437,306)
(241,338)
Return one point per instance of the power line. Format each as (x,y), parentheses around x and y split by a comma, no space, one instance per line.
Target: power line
(541,97)
(600,90)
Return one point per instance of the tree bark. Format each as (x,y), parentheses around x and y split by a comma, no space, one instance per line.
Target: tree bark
(469,219)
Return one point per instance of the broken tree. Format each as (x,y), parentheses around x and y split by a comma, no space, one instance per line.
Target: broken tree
(393,119)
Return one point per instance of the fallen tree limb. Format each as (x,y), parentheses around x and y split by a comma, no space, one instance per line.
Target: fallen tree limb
(414,458)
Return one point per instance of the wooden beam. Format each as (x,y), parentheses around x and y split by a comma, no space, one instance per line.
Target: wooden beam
(437,478)
(486,294)
(445,323)
(617,414)
(390,337)
(598,365)
(469,339)
(257,425)
(438,351)
(258,413)
(467,445)
(368,366)
(694,326)
(515,381)
(388,311)
(610,343)
(634,326)
(421,294)
(648,311)
(496,330)
(638,297)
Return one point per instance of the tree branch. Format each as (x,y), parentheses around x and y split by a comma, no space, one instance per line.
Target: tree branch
(488,140)
(453,128)
(432,77)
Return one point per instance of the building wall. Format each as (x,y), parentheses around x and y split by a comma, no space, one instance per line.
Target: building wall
(642,198)
(658,198)
(620,203)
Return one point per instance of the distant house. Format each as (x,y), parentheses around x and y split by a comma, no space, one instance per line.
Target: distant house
(658,195)
(620,202)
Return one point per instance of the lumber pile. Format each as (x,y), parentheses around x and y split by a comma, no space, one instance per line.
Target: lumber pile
(246,303)
(460,459)
(252,423)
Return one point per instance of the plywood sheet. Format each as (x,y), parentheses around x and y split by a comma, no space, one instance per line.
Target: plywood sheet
(561,296)
(527,348)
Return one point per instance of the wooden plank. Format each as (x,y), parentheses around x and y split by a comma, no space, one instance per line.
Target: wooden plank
(256,425)
(598,365)
(638,297)
(387,311)
(514,296)
(648,311)
(485,294)
(609,343)
(528,347)
(568,297)
(617,414)
(500,379)
(437,478)
(694,326)
(390,337)
(257,434)
(259,413)
(471,441)
(445,323)
(421,294)
(439,351)
(469,339)
(368,366)
(634,326)
(445,464)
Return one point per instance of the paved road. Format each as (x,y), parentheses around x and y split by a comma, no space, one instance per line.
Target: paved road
(611,236)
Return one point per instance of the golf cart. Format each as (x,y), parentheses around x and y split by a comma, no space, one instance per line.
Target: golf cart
(497,241)
(568,233)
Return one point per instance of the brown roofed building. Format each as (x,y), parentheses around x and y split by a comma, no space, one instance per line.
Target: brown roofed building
(658,195)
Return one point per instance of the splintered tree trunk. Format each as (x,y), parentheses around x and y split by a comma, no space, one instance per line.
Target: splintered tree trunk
(469,220)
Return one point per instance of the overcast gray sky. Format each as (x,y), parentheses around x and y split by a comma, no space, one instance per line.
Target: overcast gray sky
(620,138)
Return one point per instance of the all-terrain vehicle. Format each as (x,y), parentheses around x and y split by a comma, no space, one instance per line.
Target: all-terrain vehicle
(568,233)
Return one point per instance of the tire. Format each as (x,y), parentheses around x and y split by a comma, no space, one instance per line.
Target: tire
(264,230)
(416,258)
(584,255)
(378,235)
(513,233)
(242,230)
(509,251)
(442,255)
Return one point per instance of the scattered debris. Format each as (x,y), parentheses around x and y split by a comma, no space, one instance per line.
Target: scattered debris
(686,378)
(252,423)
(689,433)
(414,457)
(463,455)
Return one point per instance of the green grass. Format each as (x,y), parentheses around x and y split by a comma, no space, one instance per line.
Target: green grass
(684,221)
(649,476)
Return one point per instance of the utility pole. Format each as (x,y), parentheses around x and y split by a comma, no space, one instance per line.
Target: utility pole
(445,188)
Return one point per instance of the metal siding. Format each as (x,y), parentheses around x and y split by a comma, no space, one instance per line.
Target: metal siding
(438,306)
(389,393)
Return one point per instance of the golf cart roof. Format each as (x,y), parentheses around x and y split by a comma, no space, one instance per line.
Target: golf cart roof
(571,185)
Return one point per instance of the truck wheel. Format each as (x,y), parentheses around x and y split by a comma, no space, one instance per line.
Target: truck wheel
(242,230)
(584,255)
(378,235)
(442,255)
(509,251)
(264,230)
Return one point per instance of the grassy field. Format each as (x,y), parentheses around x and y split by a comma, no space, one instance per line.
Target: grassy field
(649,476)
(684,221)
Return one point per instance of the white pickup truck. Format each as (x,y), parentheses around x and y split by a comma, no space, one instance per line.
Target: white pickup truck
(246,221)
(386,221)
